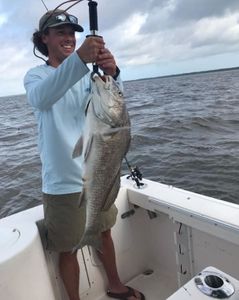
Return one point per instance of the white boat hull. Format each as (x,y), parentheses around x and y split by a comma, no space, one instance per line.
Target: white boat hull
(157,253)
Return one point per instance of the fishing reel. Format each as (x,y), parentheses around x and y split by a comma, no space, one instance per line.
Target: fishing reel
(135,175)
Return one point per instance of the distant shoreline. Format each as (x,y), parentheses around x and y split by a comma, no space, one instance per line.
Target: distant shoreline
(163,76)
(184,74)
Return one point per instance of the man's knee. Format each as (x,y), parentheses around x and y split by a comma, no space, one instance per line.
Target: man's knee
(67,255)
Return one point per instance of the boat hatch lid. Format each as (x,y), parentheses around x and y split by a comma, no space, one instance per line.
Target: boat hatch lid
(8,237)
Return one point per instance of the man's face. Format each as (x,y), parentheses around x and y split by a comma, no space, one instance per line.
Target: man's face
(60,42)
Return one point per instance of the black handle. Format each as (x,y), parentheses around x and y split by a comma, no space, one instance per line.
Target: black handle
(93,16)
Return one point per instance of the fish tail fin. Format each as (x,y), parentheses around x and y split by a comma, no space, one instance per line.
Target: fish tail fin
(92,239)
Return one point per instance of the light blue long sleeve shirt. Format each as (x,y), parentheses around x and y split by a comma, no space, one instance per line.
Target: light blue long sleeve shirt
(58,97)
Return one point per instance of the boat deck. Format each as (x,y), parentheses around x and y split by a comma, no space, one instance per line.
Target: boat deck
(154,286)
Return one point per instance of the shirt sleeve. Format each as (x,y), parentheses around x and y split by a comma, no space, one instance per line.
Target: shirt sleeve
(44,90)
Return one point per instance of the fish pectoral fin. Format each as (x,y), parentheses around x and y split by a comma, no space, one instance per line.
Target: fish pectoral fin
(82,199)
(88,147)
(78,148)
(112,193)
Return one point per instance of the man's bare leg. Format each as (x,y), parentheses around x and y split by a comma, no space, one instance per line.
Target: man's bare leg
(69,270)
(108,259)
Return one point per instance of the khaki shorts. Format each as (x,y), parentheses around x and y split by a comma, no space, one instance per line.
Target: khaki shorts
(65,220)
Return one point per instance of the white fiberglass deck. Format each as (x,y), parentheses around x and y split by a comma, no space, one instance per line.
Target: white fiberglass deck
(156,286)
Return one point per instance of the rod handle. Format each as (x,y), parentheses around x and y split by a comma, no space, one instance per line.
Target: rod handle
(93,15)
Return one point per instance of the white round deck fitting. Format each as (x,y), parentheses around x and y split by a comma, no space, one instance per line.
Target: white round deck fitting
(214,284)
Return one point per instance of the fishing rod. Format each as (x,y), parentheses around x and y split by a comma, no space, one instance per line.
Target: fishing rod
(68,1)
(44,5)
(93,21)
(93,17)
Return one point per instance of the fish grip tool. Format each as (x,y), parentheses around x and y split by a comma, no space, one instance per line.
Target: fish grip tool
(93,19)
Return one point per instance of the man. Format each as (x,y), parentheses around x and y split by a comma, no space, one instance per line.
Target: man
(57,91)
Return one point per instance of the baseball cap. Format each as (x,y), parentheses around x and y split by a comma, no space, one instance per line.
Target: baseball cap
(57,18)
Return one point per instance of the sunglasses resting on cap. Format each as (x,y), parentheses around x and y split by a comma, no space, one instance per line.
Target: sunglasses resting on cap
(57,18)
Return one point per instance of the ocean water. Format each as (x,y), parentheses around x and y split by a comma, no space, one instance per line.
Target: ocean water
(185,133)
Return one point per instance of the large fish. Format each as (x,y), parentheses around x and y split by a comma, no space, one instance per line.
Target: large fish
(105,142)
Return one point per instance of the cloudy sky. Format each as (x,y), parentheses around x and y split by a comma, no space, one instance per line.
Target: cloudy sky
(148,37)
